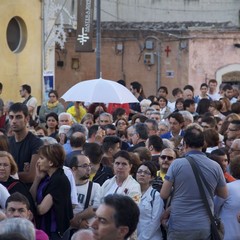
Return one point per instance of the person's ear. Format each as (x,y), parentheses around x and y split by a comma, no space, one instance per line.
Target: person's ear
(123,231)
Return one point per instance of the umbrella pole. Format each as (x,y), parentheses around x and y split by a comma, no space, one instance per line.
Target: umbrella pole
(98,40)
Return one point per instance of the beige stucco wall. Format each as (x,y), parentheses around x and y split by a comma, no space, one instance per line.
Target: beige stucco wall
(24,67)
(208,53)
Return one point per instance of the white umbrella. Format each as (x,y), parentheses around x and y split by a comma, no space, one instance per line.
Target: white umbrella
(99,91)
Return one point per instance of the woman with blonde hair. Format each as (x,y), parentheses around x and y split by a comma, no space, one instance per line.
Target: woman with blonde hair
(9,168)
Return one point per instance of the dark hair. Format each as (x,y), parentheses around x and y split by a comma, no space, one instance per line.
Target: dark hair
(136,85)
(118,112)
(54,92)
(52,114)
(212,81)
(156,142)
(126,211)
(211,137)
(141,117)
(211,121)
(141,129)
(203,85)
(1,86)
(216,104)
(92,130)
(188,103)
(54,153)
(77,141)
(178,116)
(18,197)
(164,89)
(19,107)
(74,160)
(124,154)
(190,87)
(165,100)
(235,107)
(194,137)
(235,167)
(151,98)
(93,151)
(203,106)
(110,126)
(151,166)
(176,91)
(154,103)
(110,142)
(122,82)
(27,88)
(227,87)
(143,153)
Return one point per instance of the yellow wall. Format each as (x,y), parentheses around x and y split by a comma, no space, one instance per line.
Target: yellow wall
(24,67)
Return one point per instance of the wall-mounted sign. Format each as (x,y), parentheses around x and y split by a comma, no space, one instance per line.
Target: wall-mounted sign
(170,74)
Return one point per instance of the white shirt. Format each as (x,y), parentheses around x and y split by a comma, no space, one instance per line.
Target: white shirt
(4,194)
(82,195)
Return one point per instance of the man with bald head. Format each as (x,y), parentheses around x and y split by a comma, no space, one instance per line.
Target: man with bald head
(88,192)
(165,159)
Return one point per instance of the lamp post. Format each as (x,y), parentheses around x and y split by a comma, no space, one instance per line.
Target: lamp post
(98,40)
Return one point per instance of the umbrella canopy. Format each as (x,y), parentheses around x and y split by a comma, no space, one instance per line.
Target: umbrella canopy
(99,91)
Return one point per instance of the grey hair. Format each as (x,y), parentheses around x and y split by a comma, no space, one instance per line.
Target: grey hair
(83,234)
(18,225)
(167,143)
(187,115)
(48,140)
(107,115)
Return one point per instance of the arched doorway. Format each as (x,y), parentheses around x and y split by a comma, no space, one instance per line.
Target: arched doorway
(229,74)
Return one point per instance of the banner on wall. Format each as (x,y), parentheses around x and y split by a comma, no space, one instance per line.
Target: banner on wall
(85,12)
(48,81)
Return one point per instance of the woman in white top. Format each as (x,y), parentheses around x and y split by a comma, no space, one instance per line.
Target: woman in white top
(122,183)
(151,205)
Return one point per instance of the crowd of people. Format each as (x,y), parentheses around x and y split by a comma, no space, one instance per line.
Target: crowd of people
(121,171)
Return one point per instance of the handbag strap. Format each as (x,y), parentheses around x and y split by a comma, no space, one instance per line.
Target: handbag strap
(88,194)
(197,173)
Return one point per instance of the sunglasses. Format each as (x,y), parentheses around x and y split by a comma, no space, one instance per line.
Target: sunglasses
(169,158)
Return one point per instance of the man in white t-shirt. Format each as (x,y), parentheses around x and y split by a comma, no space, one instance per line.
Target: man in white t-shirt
(88,194)
(29,100)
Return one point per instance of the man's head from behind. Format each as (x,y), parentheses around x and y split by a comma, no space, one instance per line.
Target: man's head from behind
(116,218)
(17,205)
(194,137)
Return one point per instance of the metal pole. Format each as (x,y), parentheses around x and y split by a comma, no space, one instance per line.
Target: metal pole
(98,40)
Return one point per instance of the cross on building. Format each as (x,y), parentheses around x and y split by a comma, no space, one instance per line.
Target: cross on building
(167,50)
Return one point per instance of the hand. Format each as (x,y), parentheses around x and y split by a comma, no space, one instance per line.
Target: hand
(39,174)
(165,217)
(84,224)
(26,167)
(238,217)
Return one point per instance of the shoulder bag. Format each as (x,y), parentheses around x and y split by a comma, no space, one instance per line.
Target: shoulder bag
(217,227)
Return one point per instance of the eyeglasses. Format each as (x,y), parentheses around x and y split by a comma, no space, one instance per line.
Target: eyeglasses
(121,123)
(205,126)
(85,166)
(232,130)
(4,165)
(169,158)
(143,172)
